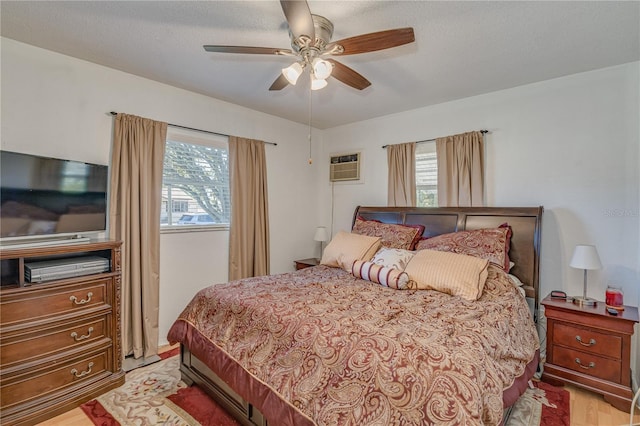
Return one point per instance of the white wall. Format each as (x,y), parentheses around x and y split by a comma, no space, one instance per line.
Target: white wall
(637,328)
(57,106)
(568,144)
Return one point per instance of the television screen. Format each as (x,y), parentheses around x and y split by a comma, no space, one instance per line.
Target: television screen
(49,196)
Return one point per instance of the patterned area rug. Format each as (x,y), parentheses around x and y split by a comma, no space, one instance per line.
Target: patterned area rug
(543,404)
(154,395)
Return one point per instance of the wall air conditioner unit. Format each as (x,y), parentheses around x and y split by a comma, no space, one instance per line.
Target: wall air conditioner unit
(344,167)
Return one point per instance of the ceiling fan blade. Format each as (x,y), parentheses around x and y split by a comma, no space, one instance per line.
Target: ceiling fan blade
(299,18)
(247,49)
(373,41)
(348,76)
(280,83)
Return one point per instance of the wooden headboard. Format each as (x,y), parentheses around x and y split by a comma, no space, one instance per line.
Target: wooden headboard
(525,223)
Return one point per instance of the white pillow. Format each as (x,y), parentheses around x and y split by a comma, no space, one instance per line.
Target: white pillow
(515,280)
(517,284)
(393,258)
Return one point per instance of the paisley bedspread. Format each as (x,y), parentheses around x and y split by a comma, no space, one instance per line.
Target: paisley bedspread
(320,347)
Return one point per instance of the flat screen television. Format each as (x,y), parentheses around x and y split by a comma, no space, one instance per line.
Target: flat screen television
(42,198)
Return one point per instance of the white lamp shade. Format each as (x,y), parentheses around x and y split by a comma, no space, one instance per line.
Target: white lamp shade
(321,234)
(317,84)
(292,72)
(322,69)
(585,257)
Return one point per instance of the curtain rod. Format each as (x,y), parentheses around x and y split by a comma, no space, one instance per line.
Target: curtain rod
(200,130)
(433,140)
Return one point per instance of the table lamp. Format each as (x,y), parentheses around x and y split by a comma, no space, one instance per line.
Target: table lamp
(585,257)
(321,235)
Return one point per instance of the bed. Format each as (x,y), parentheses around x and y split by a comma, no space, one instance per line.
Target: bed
(320,346)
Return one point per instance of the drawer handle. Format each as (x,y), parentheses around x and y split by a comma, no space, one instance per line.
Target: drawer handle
(84,373)
(79,338)
(83,301)
(586,367)
(591,342)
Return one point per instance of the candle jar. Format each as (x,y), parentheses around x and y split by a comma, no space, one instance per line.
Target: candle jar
(614,297)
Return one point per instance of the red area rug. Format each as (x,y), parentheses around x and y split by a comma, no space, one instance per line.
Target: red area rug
(154,394)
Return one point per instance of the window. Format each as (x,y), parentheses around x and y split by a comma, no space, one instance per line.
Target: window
(426,175)
(195,181)
(179,206)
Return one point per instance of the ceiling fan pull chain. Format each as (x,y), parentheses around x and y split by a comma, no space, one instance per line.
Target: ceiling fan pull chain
(310,94)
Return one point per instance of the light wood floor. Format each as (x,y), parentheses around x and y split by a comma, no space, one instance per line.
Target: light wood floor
(590,409)
(587,409)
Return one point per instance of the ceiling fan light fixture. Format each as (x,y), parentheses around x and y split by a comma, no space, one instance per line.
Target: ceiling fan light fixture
(317,83)
(321,68)
(310,37)
(292,72)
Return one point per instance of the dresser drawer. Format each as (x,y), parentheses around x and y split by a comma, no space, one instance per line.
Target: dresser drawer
(58,377)
(22,347)
(586,340)
(39,304)
(587,363)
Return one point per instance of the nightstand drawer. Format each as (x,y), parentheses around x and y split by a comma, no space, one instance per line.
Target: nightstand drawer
(587,363)
(586,340)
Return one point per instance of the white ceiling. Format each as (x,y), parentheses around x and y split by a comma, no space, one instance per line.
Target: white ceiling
(462,49)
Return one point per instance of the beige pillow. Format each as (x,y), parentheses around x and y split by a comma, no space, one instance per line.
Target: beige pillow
(451,273)
(345,248)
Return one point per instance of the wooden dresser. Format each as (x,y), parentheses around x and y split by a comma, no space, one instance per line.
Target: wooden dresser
(59,339)
(591,349)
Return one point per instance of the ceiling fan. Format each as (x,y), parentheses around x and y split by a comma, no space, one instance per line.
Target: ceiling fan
(311,44)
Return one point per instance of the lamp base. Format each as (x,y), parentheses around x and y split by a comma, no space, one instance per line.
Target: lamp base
(584,301)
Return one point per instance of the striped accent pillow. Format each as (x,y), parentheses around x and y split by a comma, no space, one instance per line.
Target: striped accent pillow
(451,273)
(388,277)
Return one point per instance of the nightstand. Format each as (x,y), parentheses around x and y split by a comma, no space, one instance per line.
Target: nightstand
(305,263)
(591,349)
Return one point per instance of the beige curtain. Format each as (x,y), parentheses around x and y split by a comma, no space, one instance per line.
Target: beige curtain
(249,233)
(401,161)
(134,217)
(460,170)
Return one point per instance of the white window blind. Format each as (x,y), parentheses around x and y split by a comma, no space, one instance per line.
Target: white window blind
(195,185)
(426,175)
